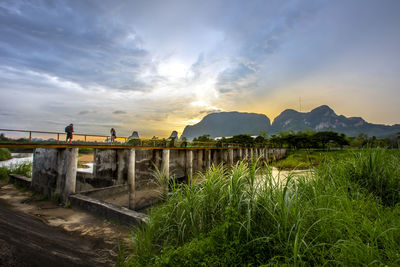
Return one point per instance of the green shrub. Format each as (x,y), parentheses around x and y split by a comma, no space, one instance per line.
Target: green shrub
(4,174)
(5,154)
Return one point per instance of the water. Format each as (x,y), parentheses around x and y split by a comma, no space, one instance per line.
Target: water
(21,158)
(280,177)
(18,159)
(88,170)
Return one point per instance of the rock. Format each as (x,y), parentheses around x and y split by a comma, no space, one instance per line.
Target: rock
(135,135)
(174,135)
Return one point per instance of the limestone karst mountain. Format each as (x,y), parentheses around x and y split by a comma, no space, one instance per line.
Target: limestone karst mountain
(228,124)
(322,118)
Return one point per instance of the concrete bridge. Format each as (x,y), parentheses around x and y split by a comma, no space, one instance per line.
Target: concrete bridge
(125,172)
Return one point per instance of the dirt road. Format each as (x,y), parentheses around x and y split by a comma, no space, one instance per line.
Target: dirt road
(27,241)
(40,233)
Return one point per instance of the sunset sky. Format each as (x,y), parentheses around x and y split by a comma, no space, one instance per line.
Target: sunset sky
(156,66)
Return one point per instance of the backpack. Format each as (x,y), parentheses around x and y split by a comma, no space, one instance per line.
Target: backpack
(68,129)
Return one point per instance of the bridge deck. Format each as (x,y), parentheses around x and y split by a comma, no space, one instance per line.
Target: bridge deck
(101,146)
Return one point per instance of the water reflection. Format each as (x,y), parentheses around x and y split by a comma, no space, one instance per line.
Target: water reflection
(18,159)
(21,158)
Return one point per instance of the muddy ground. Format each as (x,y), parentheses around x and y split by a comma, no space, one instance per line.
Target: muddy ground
(35,232)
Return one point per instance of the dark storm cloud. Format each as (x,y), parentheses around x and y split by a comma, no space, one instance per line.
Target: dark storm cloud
(73,40)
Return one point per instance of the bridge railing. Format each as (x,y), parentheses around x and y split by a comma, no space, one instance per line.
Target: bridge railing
(58,136)
(33,136)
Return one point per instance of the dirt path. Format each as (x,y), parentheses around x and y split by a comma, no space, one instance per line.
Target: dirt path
(34,232)
(26,241)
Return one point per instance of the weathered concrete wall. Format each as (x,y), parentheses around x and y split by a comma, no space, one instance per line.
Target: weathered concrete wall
(105,164)
(103,193)
(54,171)
(45,170)
(20,180)
(108,211)
(177,163)
(85,181)
(146,160)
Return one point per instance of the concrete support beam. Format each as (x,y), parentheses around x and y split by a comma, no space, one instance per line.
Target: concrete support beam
(121,166)
(165,162)
(208,158)
(200,161)
(246,153)
(240,154)
(251,153)
(131,178)
(54,171)
(70,163)
(224,156)
(230,156)
(214,156)
(189,166)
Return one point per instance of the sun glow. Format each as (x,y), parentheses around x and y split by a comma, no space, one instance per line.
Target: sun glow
(173,69)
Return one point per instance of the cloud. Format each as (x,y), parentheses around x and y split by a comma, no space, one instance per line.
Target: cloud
(117,112)
(68,40)
(86,112)
(62,60)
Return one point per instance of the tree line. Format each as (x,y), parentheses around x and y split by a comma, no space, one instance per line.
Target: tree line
(300,140)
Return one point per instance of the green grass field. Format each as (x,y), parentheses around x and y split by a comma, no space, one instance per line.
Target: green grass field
(306,159)
(346,212)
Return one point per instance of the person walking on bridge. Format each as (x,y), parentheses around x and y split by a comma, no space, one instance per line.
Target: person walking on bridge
(113,134)
(69,130)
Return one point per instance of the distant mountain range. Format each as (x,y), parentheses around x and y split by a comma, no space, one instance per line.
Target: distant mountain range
(322,118)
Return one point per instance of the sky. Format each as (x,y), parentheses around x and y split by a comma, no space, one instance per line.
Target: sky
(157,66)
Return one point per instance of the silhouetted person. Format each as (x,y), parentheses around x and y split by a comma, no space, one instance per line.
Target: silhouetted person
(69,130)
(113,135)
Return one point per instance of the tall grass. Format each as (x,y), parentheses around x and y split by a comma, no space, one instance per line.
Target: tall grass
(342,214)
(24,169)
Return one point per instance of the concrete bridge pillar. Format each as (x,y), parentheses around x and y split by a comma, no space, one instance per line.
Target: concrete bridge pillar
(240,153)
(165,163)
(54,171)
(189,166)
(246,153)
(122,165)
(71,162)
(224,156)
(230,156)
(215,156)
(208,158)
(200,161)
(131,178)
